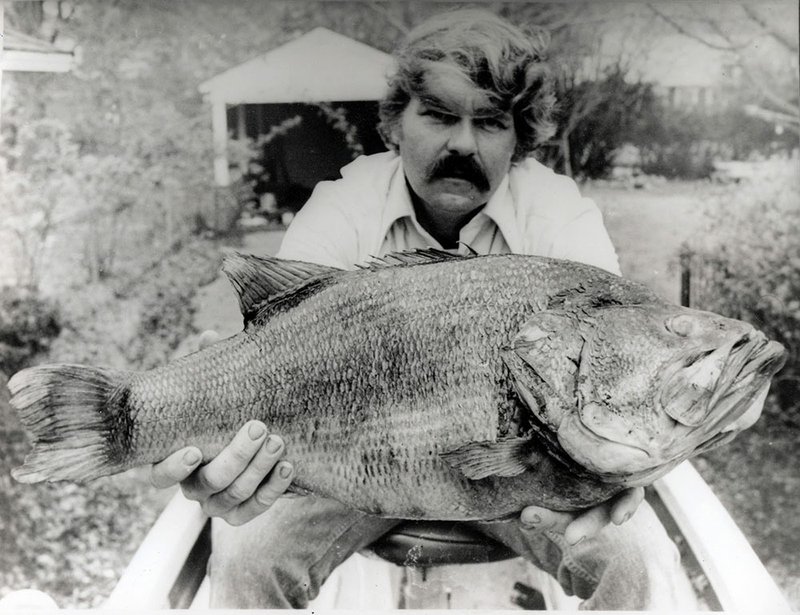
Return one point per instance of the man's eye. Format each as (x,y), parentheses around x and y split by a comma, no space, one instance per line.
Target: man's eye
(492,123)
(438,116)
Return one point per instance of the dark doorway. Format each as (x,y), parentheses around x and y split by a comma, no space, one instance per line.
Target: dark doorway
(311,145)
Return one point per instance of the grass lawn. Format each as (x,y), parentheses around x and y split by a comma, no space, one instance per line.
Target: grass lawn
(648,227)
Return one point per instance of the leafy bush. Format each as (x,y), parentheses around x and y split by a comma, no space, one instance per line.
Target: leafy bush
(747,265)
(683,143)
(27,325)
(677,145)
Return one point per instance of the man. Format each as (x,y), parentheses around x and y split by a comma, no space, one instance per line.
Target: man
(469,104)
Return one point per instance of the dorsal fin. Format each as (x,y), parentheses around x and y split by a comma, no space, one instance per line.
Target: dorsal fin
(258,279)
(411,257)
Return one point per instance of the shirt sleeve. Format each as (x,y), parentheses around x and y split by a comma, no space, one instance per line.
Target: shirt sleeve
(585,239)
(322,231)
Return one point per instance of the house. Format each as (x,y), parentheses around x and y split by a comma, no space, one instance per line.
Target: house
(313,104)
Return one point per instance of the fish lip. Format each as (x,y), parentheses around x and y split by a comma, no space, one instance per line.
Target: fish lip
(756,357)
(765,356)
(752,360)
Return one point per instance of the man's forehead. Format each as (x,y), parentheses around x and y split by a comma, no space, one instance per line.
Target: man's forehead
(451,91)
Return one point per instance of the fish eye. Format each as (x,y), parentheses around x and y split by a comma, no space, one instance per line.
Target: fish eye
(682,325)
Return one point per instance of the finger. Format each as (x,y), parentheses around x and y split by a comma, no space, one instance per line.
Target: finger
(625,504)
(248,481)
(175,468)
(588,524)
(221,471)
(264,497)
(207,337)
(535,518)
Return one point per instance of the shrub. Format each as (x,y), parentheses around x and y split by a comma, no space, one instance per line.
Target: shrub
(747,265)
(678,145)
(596,117)
(27,325)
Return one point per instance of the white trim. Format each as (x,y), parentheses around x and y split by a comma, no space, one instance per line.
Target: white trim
(737,575)
(36,61)
(152,572)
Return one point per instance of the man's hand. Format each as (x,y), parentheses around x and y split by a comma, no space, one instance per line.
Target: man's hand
(240,483)
(237,485)
(579,527)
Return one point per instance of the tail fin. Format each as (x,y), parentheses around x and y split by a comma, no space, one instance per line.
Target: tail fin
(78,418)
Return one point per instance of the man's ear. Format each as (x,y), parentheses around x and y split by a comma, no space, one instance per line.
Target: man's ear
(395,134)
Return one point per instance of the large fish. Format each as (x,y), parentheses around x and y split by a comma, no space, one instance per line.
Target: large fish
(425,386)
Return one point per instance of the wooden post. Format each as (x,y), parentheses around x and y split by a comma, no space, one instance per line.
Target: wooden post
(686,277)
(241,125)
(219,127)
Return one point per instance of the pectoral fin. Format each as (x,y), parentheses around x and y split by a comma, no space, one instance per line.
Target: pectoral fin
(478,460)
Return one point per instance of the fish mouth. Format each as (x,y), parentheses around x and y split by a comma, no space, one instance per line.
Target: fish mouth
(752,362)
(739,376)
(713,384)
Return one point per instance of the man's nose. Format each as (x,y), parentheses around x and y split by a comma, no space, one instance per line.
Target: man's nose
(462,139)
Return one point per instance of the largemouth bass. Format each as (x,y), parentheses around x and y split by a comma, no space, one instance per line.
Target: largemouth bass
(425,385)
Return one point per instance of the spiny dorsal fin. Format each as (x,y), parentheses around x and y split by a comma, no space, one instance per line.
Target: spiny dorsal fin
(258,279)
(502,458)
(418,256)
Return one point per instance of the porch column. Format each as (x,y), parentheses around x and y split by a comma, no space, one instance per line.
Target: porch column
(219,127)
(2,30)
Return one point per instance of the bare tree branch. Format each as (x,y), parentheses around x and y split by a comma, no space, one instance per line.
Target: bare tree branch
(764,84)
(717,28)
(768,92)
(382,10)
(686,32)
(792,122)
(790,43)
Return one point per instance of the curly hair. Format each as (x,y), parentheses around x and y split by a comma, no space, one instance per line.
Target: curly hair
(506,63)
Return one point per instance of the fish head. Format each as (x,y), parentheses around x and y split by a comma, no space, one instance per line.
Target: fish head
(651,384)
(657,384)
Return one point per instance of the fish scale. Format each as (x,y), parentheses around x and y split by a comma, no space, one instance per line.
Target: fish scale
(433,386)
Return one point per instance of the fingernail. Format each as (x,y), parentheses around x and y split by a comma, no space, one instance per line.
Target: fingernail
(190,458)
(285,471)
(580,540)
(627,517)
(273,445)
(531,519)
(256,430)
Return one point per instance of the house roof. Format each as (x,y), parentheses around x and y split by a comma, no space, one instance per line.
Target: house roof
(22,52)
(320,65)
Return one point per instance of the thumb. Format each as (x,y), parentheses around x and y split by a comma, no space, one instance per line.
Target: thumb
(207,337)
(537,519)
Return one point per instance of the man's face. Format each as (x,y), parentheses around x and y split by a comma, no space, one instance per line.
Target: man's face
(456,147)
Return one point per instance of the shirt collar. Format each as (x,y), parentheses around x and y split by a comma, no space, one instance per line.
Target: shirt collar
(500,208)
(398,203)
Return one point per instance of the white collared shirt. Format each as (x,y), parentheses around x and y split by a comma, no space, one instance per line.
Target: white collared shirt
(369,213)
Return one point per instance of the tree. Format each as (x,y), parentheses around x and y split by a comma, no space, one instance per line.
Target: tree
(764,39)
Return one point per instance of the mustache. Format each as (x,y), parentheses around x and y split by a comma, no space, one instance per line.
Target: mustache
(461,167)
